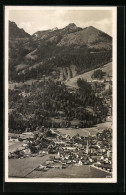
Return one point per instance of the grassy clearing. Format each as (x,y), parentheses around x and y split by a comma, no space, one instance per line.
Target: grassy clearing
(21,67)
(57,120)
(21,84)
(86,131)
(72,132)
(87,76)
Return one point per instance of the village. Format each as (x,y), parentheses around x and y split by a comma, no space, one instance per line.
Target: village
(63,150)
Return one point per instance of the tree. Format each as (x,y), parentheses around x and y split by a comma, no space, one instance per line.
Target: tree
(98,74)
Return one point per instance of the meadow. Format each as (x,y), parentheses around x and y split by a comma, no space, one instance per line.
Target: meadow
(86,131)
(84,171)
(87,76)
(22,167)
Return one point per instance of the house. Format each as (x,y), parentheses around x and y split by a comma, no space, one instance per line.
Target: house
(21,148)
(14,139)
(80,162)
(44,151)
(61,143)
(106,160)
(70,148)
(96,158)
(67,156)
(51,157)
(109,153)
(61,153)
(27,151)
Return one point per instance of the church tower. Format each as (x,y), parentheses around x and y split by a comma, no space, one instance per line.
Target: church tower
(87,147)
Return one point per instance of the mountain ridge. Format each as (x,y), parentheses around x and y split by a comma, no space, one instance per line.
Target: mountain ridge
(57,53)
(16,32)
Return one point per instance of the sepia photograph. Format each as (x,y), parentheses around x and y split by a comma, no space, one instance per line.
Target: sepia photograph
(60,94)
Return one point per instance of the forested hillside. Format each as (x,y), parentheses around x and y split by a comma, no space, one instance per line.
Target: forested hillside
(48,104)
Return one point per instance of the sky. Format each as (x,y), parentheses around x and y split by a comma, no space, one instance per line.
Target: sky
(36,20)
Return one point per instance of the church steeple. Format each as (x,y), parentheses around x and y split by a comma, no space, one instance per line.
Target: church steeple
(87,147)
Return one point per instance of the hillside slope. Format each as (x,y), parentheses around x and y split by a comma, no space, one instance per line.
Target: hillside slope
(107,68)
(90,36)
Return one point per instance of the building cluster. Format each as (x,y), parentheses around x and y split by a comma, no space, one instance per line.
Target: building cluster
(24,94)
(68,150)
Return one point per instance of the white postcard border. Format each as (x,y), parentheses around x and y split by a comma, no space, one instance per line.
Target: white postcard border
(114,77)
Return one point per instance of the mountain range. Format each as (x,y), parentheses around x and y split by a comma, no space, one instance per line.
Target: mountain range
(50,74)
(60,54)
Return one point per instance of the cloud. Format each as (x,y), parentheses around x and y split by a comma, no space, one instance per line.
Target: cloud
(104,25)
(60,13)
(32,20)
(27,26)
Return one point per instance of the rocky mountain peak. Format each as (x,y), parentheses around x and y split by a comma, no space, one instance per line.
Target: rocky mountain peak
(71,28)
(53,29)
(71,25)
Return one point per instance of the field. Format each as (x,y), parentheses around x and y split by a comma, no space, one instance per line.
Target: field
(14,145)
(84,171)
(21,167)
(87,76)
(86,131)
(21,67)
(21,84)
(23,135)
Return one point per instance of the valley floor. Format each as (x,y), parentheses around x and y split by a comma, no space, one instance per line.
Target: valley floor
(26,167)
